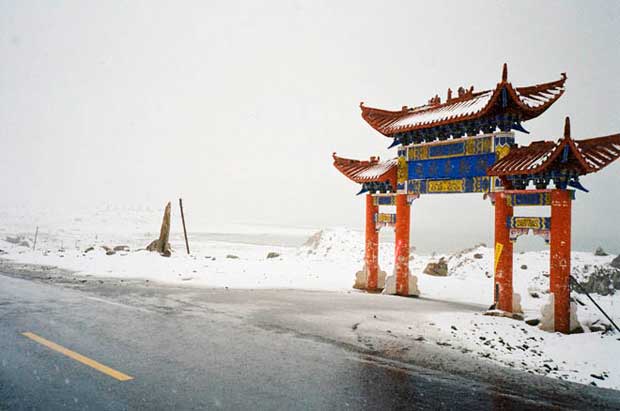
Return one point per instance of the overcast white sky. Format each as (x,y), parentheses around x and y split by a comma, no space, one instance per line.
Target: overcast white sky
(237,106)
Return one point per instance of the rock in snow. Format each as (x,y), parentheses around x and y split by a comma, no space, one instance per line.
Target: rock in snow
(603,280)
(600,252)
(438,269)
(615,263)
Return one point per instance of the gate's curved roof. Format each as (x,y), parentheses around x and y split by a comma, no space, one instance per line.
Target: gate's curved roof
(367,171)
(578,156)
(528,102)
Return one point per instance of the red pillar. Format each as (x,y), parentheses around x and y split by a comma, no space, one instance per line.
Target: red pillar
(503,255)
(401,265)
(371,259)
(560,258)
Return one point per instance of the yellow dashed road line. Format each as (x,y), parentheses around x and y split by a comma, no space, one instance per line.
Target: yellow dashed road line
(79,357)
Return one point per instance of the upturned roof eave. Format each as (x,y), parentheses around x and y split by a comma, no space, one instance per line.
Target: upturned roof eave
(351,168)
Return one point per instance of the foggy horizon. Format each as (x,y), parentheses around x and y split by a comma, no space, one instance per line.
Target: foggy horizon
(237,107)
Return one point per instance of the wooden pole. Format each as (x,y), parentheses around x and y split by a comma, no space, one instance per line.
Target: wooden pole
(184,229)
(36,233)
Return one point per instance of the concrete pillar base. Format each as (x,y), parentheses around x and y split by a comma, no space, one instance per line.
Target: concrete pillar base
(412,282)
(547,319)
(361,280)
(516,303)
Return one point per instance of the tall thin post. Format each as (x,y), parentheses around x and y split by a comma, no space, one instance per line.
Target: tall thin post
(36,233)
(184,229)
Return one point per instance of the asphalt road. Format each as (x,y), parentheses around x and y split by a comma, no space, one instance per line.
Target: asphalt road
(211,349)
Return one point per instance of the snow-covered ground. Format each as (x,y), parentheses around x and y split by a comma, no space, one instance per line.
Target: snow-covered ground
(236,256)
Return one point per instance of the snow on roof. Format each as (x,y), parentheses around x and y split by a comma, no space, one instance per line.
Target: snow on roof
(365,171)
(529,101)
(427,115)
(586,156)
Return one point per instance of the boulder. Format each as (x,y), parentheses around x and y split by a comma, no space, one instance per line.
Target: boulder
(532,321)
(478,256)
(121,248)
(18,240)
(600,252)
(615,263)
(314,240)
(603,280)
(273,254)
(438,269)
(534,292)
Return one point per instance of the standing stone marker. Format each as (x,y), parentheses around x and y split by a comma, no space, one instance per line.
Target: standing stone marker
(161,245)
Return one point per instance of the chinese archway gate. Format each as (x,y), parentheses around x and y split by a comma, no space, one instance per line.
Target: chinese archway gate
(466,144)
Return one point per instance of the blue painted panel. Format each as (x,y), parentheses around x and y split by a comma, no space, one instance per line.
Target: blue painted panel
(385,200)
(455,167)
(529,199)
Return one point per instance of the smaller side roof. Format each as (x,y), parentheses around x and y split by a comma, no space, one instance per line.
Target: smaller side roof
(577,156)
(366,171)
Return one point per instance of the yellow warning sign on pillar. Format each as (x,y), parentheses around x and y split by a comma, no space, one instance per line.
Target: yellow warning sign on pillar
(498,252)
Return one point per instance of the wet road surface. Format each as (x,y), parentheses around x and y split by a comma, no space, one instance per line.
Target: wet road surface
(196,358)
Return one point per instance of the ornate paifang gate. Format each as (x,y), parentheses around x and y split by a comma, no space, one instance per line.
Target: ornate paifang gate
(455,147)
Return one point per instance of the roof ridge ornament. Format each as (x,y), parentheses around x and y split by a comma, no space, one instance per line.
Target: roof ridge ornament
(505,73)
(434,101)
(567,128)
